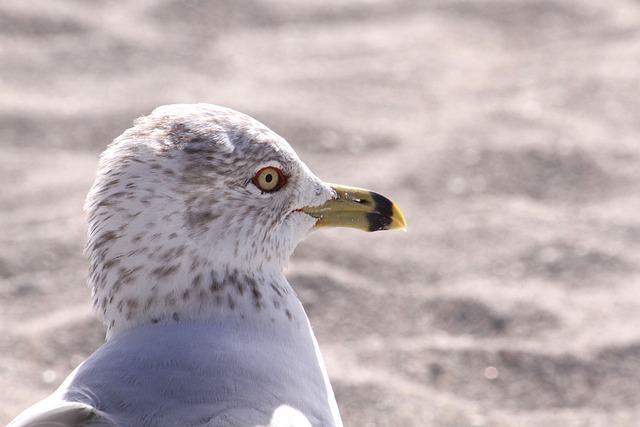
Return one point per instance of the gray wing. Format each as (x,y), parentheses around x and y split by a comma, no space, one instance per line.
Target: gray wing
(62,414)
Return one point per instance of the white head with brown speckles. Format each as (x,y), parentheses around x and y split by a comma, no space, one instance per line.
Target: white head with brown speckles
(179,227)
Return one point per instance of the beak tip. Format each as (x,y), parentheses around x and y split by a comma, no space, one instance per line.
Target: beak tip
(401,227)
(398,218)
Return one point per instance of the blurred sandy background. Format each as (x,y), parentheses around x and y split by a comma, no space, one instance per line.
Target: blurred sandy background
(507,130)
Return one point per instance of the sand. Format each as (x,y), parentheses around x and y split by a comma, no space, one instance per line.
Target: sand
(507,131)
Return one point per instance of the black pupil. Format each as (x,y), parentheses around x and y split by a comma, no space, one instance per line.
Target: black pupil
(268,178)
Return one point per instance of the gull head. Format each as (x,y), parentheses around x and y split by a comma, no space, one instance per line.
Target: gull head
(196,206)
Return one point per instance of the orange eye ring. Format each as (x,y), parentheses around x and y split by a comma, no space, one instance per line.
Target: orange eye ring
(269,179)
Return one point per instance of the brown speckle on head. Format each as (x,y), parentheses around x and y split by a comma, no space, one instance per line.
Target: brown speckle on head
(176,224)
(164,271)
(256,293)
(214,285)
(105,238)
(131,216)
(278,289)
(125,276)
(137,238)
(197,281)
(111,263)
(149,303)
(232,275)
(198,220)
(180,251)
(195,264)
(132,306)
(170,254)
(239,287)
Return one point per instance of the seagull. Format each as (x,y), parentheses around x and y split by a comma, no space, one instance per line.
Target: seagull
(192,218)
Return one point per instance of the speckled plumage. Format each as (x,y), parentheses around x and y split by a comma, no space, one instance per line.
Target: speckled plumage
(178,230)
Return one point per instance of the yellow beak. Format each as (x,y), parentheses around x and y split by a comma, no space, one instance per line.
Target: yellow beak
(358,208)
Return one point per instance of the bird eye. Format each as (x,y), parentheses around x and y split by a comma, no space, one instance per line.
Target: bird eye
(269,179)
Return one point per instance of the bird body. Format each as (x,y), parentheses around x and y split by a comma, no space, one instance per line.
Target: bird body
(192,218)
(206,373)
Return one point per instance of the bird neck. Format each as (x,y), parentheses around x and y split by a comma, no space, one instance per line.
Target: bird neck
(225,294)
